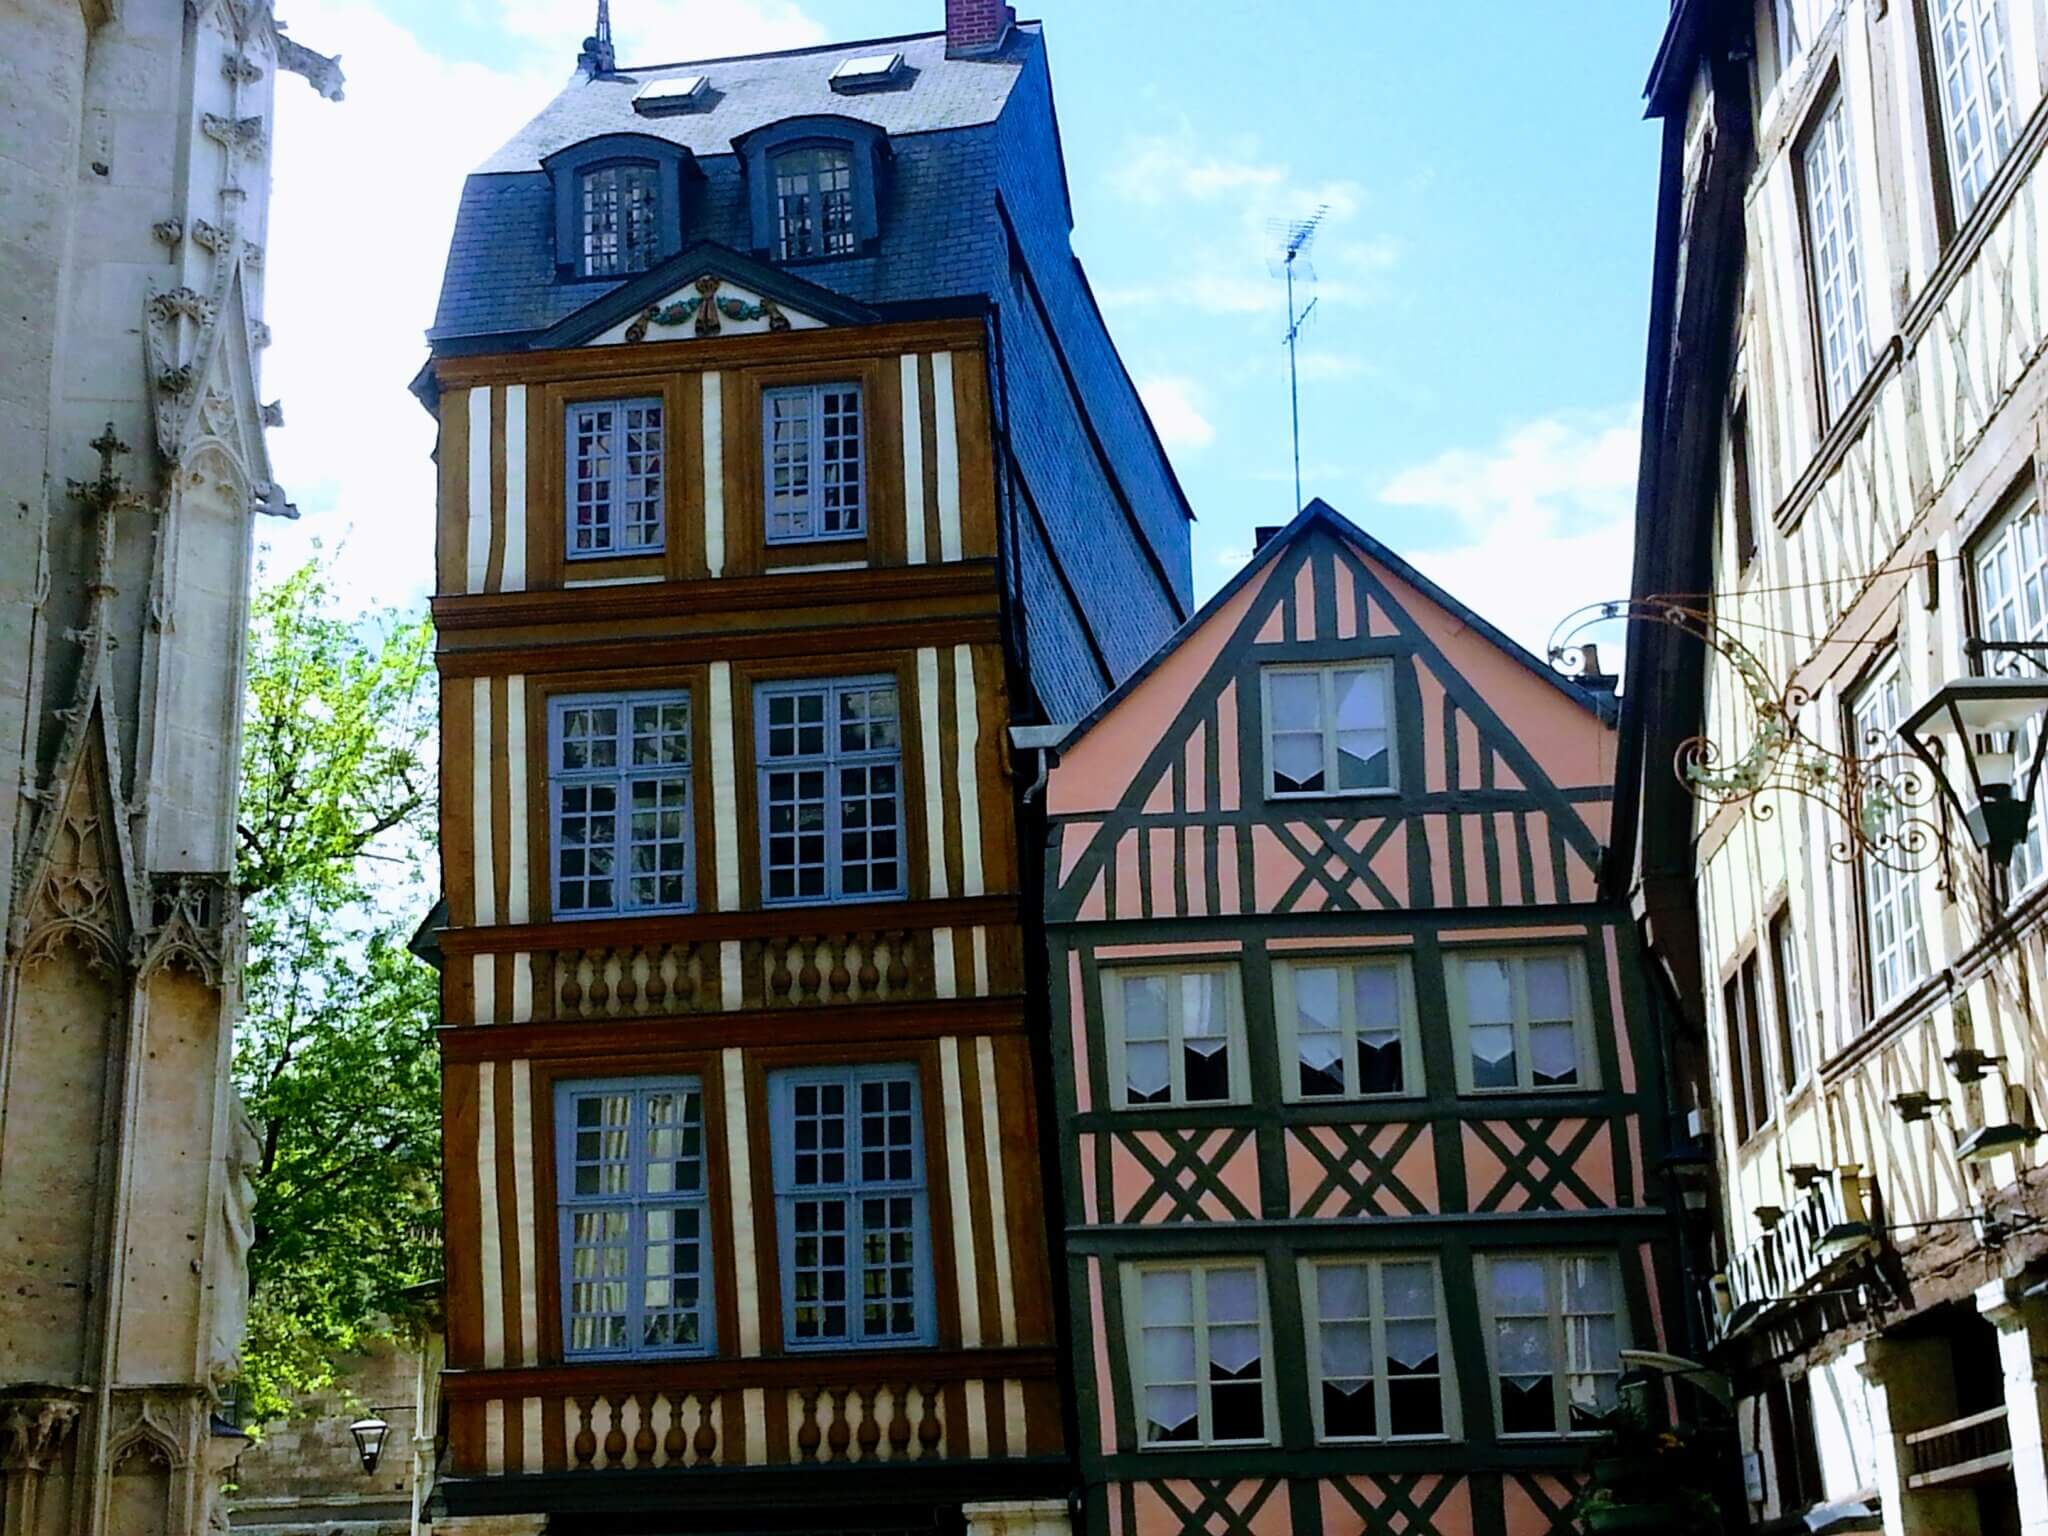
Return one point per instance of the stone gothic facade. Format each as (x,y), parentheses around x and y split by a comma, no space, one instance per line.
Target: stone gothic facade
(134,182)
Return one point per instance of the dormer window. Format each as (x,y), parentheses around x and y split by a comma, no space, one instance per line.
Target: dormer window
(621,214)
(618,205)
(815,186)
(814,202)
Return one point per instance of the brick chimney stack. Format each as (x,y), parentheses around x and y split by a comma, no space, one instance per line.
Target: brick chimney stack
(976,28)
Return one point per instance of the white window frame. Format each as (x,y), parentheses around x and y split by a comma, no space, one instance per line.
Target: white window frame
(1827,188)
(1288,1015)
(621,778)
(1111,980)
(1975,91)
(623,530)
(1561,1374)
(1312,1325)
(2009,577)
(1788,987)
(1328,672)
(1458,957)
(1894,926)
(1135,1329)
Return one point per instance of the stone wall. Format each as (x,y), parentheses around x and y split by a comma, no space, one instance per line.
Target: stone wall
(302,1476)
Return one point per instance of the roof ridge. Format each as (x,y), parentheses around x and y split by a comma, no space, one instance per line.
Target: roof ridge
(783,53)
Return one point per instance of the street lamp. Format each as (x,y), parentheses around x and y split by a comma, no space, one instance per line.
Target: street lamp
(369,1437)
(1970,735)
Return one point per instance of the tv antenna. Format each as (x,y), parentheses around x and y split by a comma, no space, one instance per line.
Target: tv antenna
(1296,236)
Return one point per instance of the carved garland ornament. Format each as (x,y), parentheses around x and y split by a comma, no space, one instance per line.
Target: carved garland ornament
(1879,793)
(705,309)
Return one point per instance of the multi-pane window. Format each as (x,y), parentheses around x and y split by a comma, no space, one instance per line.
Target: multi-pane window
(850,1207)
(831,790)
(1328,729)
(811,450)
(1748,1068)
(2011,566)
(1894,940)
(1828,179)
(1792,21)
(619,210)
(616,458)
(619,772)
(1976,93)
(635,1229)
(1524,1019)
(1176,1036)
(1348,1028)
(1379,1347)
(1555,1334)
(1199,1336)
(814,202)
(1794,1027)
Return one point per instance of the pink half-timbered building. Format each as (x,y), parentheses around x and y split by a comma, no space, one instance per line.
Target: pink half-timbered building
(1362,1115)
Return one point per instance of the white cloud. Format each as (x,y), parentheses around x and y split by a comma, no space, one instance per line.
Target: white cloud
(1224,210)
(1539,524)
(361,215)
(1172,402)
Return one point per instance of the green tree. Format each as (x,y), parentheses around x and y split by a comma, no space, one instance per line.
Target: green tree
(335,1058)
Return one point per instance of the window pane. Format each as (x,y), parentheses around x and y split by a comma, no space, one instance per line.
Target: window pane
(1318,1031)
(1489,992)
(1553,1055)
(1829,175)
(1205,1037)
(1297,762)
(1362,761)
(1376,995)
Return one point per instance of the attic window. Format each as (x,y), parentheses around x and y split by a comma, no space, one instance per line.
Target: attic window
(868,72)
(658,98)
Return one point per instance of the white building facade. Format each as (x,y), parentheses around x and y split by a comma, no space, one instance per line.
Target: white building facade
(134,180)
(1845,421)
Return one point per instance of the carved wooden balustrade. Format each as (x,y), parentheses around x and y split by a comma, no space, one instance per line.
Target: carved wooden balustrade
(763,1412)
(619,970)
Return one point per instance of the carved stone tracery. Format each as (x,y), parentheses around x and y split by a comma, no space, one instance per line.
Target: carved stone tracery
(33,1431)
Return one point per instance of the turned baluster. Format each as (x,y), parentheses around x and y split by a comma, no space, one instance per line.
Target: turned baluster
(870,1435)
(807,977)
(779,979)
(569,966)
(807,1435)
(656,990)
(867,976)
(928,1429)
(841,1434)
(600,981)
(643,1437)
(674,1443)
(684,990)
(840,979)
(899,963)
(585,1448)
(615,1437)
(629,978)
(706,1439)
(899,1421)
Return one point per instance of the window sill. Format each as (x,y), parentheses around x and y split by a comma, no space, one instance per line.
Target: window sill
(1283,796)
(826,903)
(1337,1100)
(1181,1104)
(1522,1091)
(1389,1442)
(1168,1447)
(637,912)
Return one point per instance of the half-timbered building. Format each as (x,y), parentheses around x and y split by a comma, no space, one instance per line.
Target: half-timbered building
(1358,1079)
(785,464)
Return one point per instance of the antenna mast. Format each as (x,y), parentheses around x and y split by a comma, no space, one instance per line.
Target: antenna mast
(1295,239)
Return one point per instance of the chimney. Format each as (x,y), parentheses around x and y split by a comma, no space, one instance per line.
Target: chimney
(597,57)
(1262,536)
(977,28)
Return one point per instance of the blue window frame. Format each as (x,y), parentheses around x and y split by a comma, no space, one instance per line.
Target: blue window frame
(615,475)
(831,772)
(811,458)
(619,208)
(635,1225)
(619,778)
(850,1207)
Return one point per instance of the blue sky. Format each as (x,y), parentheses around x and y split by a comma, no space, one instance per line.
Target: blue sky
(1471,377)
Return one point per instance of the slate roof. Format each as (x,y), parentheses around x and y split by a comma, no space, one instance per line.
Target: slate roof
(972,211)
(754,91)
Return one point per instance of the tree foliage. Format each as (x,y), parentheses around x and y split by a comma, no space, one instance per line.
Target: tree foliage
(335,1058)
